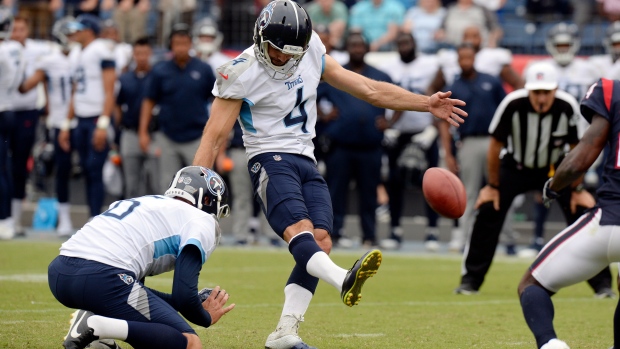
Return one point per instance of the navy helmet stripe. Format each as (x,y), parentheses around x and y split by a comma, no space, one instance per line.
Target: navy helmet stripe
(559,240)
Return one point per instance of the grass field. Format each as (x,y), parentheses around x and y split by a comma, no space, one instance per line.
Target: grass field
(408,304)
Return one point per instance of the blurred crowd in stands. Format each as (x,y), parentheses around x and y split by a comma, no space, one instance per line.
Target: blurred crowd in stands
(160,110)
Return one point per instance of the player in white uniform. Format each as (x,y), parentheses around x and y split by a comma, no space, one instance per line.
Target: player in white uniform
(27,108)
(102,268)
(207,41)
(11,68)
(271,88)
(414,73)
(92,104)
(54,70)
(608,64)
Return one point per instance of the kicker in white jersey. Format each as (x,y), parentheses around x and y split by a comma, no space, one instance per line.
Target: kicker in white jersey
(276,115)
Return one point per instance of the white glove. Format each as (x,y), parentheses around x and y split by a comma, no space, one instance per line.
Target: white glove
(425,138)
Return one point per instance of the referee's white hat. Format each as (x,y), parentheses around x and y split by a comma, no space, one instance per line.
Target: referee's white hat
(541,76)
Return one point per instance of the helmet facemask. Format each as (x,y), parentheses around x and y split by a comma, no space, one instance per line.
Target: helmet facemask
(279,72)
(563,44)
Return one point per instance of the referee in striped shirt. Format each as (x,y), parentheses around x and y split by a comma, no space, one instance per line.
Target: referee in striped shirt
(532,128)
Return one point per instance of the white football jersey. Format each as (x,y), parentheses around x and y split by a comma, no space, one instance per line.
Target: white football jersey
(277,115)
(414,76)
(144,235)
(86,65)
(122,56)
(216,60)
(57,71)
(606,67)
(488,60)
(11,72)
(33,51)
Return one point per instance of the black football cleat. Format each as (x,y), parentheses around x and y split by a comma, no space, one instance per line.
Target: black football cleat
(363,268)
(79,335)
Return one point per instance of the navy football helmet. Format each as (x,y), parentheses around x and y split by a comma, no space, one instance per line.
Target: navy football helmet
(62,29)
(203,188)
(285,26)
(612,38)
(6,23)
(563,43)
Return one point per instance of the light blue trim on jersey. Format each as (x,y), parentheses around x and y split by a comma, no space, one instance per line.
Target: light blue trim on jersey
(197,243)
(322,64)
(245,115)
(167,246)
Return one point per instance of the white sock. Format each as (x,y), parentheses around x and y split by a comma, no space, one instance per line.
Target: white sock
(108,328)
(296,300)
(64,212)
(322,267)
(16,212)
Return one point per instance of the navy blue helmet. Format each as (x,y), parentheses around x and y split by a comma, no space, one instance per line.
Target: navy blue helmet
(203,188)
(285,26)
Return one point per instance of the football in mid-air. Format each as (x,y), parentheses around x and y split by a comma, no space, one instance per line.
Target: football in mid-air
(444,192)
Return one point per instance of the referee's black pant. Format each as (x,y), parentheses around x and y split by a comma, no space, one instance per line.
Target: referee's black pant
(488,224)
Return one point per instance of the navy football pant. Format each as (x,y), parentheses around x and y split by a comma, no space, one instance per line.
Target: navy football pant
(6,121)
(62,162)
(91,161)
(105,290)
(22,140)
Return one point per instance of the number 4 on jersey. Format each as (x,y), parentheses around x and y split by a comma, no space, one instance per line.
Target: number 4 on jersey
(291,120)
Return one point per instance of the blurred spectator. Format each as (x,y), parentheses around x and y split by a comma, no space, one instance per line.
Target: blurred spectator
(463,14)
(137,165)
(181,87)
(491,5)
(378,21)
(341,57)
(423,21)
(28,109)
(331,13)
(92,104)
(77,7)
(55,70)
(483,94)
(171,12)
(609,9)
(547,10)
(355,151)
(413,147)
(122,50)
(207,41)
(130,17)
(40,17)
(583,11)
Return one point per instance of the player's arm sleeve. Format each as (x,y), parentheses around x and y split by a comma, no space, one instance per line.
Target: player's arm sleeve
(185,286)
(598,100)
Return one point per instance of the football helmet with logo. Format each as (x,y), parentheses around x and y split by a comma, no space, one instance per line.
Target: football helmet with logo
(612,40)
(207,38)
(285,26)
(6,23)
(203,188)
(563,43)
(61,30)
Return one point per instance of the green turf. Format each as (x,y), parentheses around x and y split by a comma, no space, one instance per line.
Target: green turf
(408,304)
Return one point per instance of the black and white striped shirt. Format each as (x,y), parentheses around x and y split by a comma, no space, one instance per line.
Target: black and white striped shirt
(536,141)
